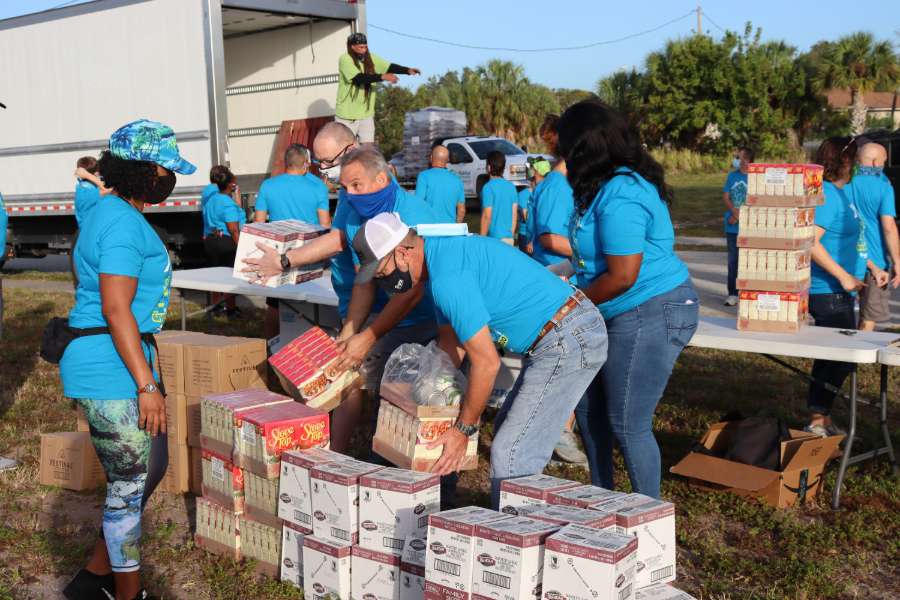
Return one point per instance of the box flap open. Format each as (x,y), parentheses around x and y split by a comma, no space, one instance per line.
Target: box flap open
(724,472)
(813,452)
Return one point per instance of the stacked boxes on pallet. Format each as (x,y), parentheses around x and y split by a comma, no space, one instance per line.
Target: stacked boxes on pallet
(777,232)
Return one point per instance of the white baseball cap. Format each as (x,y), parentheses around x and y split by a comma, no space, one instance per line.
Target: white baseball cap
(375,240)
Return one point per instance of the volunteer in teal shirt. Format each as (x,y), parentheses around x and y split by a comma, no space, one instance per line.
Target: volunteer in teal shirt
(499,202)
(624,259)
(4,219)
(526,216)
(553,205)
(842,238)
(873,197)
(86,197)
(734,194)
(290,196)
(442,190)
(489,295)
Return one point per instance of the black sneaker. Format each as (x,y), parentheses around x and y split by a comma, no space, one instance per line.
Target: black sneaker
(143,595)
(90,586)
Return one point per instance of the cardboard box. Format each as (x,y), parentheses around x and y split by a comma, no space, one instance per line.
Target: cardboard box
(375,575)
(531,490)
(267,431)
(394,504)
(776,228)
(215,364)
(562,515)
(219,416)
(261,543)
(282,236)
(81,422)
(217,529)
(305,370)
(661,592)
(803,459)
(335,499)
(196,478)
(326,568)
(580,562)
(177,479)
(402,437)
(450,556)
(295,496)
(68,460)
(509,557)
(223,482)
(171,357)
(775,312)
(292,554)
(582,496)
(183,419)
(773,270)
(653,522)
(412,569)
(784,185)
(261,499)
(296,318)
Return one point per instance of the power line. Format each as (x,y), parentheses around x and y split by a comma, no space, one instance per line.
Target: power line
(68,2)
(556,49)
(716,25)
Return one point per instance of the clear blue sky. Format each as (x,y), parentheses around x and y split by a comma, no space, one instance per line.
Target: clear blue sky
(542,23)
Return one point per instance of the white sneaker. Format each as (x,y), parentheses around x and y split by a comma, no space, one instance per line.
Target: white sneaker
(731,301)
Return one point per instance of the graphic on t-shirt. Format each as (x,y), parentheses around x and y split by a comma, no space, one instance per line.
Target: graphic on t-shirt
(738,193)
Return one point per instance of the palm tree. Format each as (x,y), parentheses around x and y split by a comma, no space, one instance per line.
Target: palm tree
(860,64)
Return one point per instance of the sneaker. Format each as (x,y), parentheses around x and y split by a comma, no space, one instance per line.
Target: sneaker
(824,430)
(86,585)
(567,449)
(731,301)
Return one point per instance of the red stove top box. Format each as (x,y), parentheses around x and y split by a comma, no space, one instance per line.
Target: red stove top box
(266,432)
(785,184)
(219,414)
(305,368)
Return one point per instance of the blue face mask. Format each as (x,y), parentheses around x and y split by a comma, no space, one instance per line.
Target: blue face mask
(375,203)
(736,163)
(861,170)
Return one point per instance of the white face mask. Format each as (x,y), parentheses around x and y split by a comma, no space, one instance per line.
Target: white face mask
(736,163)
(333,174)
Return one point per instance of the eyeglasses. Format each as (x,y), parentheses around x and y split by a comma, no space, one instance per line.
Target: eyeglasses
(330,162)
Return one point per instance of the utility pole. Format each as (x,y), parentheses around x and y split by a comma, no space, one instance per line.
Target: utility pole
(699,20)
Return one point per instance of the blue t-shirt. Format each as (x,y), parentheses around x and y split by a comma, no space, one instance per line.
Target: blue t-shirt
(412,212)
(116,240)
(477,281)
(86,197)
(288,196)
(736,186)
(219,210)
(553,204)
(525,206)
(499,195)
(844,239)
(343,273)
(4,219)
(208,192)
(873,196)
(442,190)
(627,217)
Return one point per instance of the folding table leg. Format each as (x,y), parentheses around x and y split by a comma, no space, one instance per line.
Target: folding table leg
(889,446)
(183,311)
(848,446)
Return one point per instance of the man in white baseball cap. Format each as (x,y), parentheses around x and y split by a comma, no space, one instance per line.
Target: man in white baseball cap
(488,295)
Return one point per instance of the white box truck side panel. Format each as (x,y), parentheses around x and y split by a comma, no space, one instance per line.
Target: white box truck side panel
(78,77)
(292,53)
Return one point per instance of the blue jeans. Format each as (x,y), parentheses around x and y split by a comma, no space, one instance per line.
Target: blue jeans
(644,344)
(829,310)
(731,239)
(554,376)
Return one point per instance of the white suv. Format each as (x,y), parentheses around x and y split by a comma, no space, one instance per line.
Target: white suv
(468,159)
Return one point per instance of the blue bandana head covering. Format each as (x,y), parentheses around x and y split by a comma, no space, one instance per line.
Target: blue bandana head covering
(149,141)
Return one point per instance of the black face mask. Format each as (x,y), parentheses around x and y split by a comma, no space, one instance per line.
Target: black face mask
(395,283)
(161,189)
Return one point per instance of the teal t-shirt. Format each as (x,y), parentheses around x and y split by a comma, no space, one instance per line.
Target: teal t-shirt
(4,219)
(208,192)
(477,281)
(442,190)
(736,186)
(500,196)
(844,239)
(627,217)
(343,272)
(219,210)
(290,196)
(553,204)
(873,196)
(525,197)
(116,240)
(86,197)
(412,211)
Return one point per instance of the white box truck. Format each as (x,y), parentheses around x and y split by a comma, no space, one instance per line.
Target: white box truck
(223,74)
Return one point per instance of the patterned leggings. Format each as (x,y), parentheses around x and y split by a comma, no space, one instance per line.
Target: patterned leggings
(134,463)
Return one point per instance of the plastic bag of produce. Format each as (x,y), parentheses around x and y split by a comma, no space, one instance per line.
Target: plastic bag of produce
(423,375)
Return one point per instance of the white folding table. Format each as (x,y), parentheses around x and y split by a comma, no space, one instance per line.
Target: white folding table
(820,343)
(318,292)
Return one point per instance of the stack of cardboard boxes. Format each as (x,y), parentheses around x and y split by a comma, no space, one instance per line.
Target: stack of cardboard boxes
(777,225)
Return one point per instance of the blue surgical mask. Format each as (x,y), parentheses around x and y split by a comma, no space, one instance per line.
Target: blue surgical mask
(375,203)
(736,163)
(861,170)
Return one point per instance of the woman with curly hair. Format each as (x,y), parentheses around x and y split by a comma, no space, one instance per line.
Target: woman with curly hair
(223,218)
(623,253)
(358,72)
(124,277)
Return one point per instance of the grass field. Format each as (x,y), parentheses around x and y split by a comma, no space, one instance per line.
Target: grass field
(728,548)
(698,209)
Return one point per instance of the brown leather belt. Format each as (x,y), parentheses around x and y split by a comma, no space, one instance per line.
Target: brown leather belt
(567,307)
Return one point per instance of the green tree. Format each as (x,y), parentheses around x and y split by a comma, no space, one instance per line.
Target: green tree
(391,105)
(623,90)
(860,64)
(567,97)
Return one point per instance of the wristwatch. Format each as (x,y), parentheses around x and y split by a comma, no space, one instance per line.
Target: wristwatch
(466,430)
(148,389)
(285,262)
